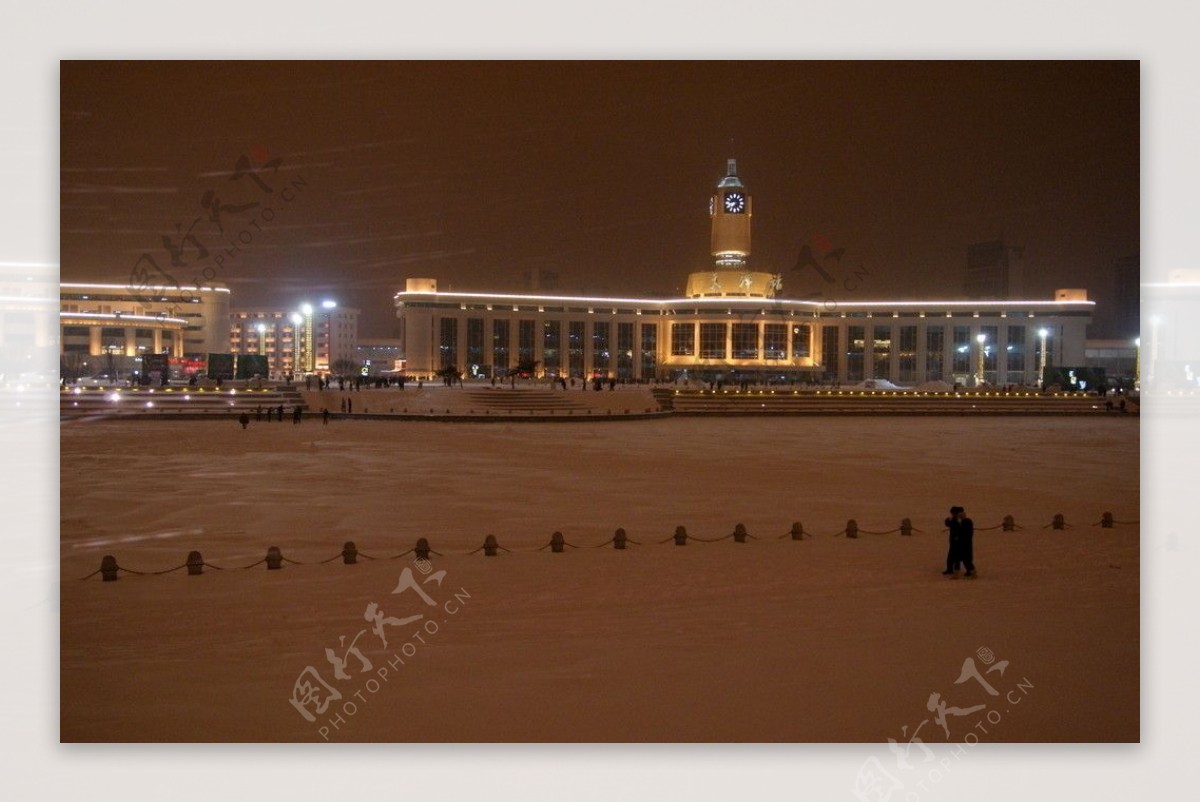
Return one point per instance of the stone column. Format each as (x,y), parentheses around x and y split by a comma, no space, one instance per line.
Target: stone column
(589,348)
(920,351)
(894,354)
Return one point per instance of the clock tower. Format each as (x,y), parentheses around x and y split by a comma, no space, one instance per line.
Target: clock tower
(730,210)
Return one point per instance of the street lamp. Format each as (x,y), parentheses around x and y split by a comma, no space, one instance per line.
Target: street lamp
(262,343)
(980,338)
(1043,333)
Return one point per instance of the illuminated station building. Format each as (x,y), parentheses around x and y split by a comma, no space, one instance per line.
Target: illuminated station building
(733,325)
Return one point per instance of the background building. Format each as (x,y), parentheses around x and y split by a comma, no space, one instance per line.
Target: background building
(994,270)
(1127,298)
(303,339)
(106,329)
(1118,358)
(378,355)
(204,310)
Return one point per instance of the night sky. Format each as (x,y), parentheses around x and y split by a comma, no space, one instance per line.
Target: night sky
(477,173)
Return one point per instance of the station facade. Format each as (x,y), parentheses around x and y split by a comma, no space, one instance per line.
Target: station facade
(732,325)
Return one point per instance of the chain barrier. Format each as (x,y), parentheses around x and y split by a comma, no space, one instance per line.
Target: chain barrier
(109,567)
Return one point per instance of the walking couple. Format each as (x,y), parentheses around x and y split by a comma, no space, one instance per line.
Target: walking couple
(962,533)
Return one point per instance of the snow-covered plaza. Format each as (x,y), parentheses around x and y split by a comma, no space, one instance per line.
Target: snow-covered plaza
(820,639)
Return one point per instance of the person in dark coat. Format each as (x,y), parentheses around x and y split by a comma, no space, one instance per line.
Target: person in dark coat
(962,535)
(244,420)
(325,416)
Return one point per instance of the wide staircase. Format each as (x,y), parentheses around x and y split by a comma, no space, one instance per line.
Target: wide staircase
(521,401)
(545,402)
(880,402)
(175,402)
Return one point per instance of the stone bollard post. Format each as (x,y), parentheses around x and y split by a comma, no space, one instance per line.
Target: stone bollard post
(619,538)
(490,545)
(1106,520)
(906,527)
(108,568)
(556,542)
(797,531)
(1009,524)
(1059,522)
(349,553)
(195,563)
(852,529)
(274,558)
(680,536)
(739,533)
(422,549)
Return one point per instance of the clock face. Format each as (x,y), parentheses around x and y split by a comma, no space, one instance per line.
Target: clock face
(735,202)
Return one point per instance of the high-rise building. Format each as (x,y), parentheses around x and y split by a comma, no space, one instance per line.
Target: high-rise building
(1127,297)
(994,270)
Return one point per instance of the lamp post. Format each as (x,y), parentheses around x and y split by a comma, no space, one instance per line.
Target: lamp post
(262,342)
(296,335)
(980,338)
(1043,333)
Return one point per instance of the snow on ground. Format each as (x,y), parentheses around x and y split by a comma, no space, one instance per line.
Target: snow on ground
(827,639)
